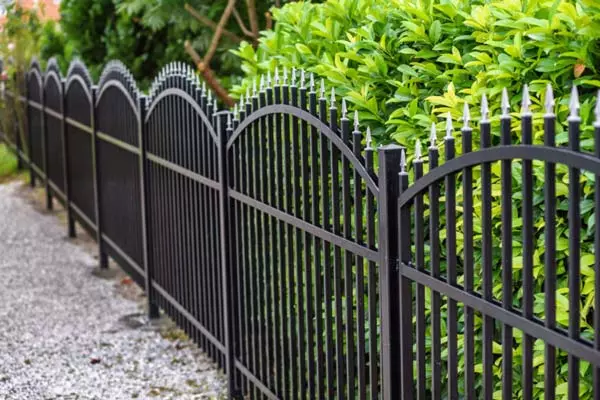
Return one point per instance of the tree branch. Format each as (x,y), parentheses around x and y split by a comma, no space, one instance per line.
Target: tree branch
(219,31)
(269,21)
(206,21)
(208,75)
(253,16)
(243,27)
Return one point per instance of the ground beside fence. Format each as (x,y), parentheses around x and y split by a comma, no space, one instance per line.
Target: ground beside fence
(66,334)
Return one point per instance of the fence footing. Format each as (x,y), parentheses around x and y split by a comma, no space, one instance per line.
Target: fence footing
(104,273)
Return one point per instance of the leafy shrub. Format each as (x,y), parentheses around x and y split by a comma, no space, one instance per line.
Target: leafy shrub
(404,63)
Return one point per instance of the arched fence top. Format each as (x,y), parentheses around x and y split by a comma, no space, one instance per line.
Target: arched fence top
(322,127)
(190,99)
(116,71)
(77,69)
(53,72)
(555,155)
(34,65)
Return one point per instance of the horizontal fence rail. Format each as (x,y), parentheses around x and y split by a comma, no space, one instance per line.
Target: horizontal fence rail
(306,263)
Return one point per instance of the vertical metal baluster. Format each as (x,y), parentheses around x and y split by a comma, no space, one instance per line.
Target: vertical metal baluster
(274,259)
(372,279)
(308,215)
(267,303)
(348,258)
(360,265)
(574,218)
(434,245)
(405,288)
(596,378)
(326,165)
(338,277)
(320,245)
(202,147)
(281,168)
(450,184)
(212,258)
(486,231)
(507,281)
(468,211)
(550,247)
(419,240)
(259,341)
(71,230)
(528,247)
(297,349)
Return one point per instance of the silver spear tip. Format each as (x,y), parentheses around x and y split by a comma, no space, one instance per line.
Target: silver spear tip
(449,127)
(403,161)
(526,101)
(344,108)
(549,102)
(505,103)
(418,153)
(356,120)
(369,139)
(466,117)
(433,136)
(574,102)
(484,108)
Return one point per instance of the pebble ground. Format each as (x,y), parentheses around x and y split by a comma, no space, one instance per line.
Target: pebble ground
(67,334)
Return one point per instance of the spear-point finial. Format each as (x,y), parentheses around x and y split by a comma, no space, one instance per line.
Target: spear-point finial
(332,97)
(484,108)
(449,127)
(418,150)
(248,94)
(302,79)
(293,76)
(549,102)
(369,138)
(229,126)
(312,82)
(235,110)
(276,75)
(209,97)
(203,86)
(526,101)
(433,136)
(254,88)
(466,117)
(403,161)
(215,107)
(322,88)
(285,75)
(344,109)
(597,108)
(574,103)
(262,83)
(269,79)
(505,103)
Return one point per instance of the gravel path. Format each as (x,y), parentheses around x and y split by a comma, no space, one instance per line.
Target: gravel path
(66,334)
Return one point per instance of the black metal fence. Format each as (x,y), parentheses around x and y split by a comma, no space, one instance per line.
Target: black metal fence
(267,235)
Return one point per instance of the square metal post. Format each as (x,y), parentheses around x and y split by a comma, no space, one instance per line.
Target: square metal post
(389,167)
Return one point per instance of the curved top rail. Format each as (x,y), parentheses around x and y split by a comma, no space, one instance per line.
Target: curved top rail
(175,70)
(35,65)
(53,66)
(78,68)
(190,99)
(315,122)
(117,71)
(557,155)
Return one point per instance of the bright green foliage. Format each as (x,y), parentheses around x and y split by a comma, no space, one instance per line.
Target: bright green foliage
(405,63)
(394,59)
(8,162)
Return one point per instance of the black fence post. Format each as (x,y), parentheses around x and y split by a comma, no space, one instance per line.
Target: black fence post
(29,126)
(44,139)
(71,231)
(389,168)
(153,311)
(17,100)
(96,169)
(227,249)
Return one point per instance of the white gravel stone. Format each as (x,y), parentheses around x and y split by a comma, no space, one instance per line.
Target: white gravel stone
(63,333)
